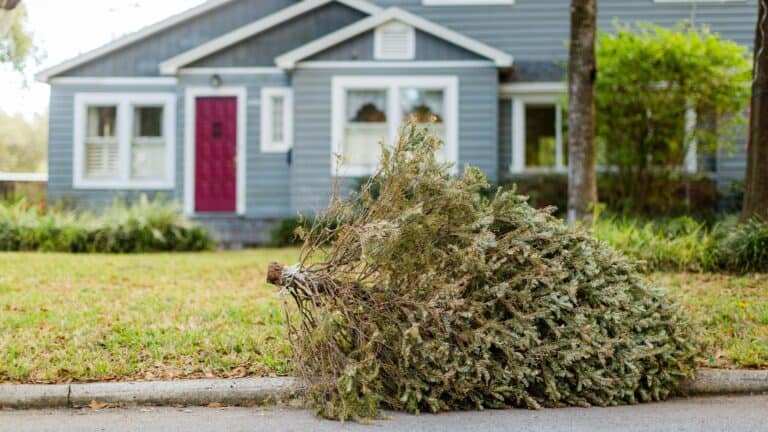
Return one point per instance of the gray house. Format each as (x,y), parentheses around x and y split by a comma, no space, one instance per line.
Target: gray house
(237,108)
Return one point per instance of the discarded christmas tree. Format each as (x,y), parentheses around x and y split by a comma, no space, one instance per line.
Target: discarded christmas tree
(419,294)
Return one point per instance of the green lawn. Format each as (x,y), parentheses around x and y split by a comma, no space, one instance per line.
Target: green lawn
(105,317)
(731,313)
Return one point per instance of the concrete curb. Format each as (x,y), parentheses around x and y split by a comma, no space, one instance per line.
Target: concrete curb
(243,392)
(260,391)
(716,382)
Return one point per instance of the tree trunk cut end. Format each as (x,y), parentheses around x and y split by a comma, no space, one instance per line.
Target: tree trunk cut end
(275,274)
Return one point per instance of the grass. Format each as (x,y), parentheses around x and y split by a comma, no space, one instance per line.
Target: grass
(152,316)
(170,316)
(731,313)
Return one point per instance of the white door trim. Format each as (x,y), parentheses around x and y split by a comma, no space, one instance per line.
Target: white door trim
(190,115)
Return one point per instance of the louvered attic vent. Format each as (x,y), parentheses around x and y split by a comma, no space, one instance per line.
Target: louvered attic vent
(394,41)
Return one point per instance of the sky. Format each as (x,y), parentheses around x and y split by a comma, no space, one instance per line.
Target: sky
(62,29)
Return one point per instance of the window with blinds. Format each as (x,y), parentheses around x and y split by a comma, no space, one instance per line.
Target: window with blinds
(101,143)
(124,140)
(394,41)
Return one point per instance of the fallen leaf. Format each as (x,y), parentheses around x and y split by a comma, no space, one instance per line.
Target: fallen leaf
(97,405)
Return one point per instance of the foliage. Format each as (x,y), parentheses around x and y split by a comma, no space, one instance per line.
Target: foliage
(16,42)
(284,232)
(650,77)
(432,298)
(145,226)
(163,316)
(677,244)
(742,247)
(684,244)
(23,144)
(685,195)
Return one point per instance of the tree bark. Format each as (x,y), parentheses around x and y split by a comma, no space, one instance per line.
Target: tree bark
(9,4)
(756,183)
(582,72)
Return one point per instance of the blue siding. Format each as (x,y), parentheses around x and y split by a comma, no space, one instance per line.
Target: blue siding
(428,48)
(311,180)
(143,58)
(267,176)
(262,49)
(61,149)
(539,29)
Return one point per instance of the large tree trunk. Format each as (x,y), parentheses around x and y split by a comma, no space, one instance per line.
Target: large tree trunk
(582,71)
(756,185)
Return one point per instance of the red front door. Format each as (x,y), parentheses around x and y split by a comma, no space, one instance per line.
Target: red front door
(216,154)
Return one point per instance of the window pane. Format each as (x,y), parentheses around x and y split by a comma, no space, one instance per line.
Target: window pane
(101,142)
(148,144)
(278,104)
(148,160)
(148,122)
(102,121)
(426,108)
(365,128)
(540,136)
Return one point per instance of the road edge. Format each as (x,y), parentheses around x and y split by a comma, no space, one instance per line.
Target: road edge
(266,391)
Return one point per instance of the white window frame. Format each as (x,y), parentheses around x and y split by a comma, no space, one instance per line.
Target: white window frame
(190,117)
(267,96)
(125,103)
(392,84)
(378,42)
(519,103)
(467,2)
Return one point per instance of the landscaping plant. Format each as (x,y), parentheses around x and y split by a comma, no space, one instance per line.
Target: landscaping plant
(144,226)
(427,296)
(660,92)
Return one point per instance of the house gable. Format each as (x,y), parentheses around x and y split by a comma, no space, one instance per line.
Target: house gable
(261,49)
(427,47)
(291,58)
(139,54)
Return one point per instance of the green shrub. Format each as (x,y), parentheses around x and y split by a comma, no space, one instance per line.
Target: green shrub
(284,232)
(741,248)
(144,226)
(685,244)
(677,244)
(430,297)
(668,196)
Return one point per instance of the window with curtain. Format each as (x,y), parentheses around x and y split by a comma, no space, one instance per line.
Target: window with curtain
(425,108)
(148,143)
(101,142)
(124,140)
(365,128)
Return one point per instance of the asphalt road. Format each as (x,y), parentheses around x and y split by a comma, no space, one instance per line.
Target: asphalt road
(737,413)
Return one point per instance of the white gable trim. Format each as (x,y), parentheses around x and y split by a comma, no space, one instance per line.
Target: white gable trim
(116,81)
(232,71)
(289,59)
(394,64)
(46,74)
(172,65)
